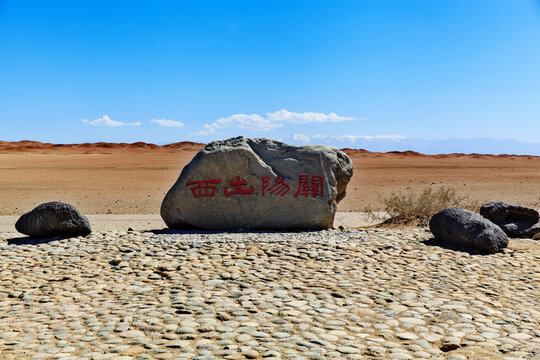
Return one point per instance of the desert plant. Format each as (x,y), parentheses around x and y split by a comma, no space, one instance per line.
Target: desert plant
(418,208)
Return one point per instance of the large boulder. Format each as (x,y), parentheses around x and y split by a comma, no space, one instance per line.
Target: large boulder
(515,220)
(243,183)
(463,228)
(53,219)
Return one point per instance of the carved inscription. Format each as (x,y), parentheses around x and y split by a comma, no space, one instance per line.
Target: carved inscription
(238,188)
(203,188)
(279,187)
(307,186)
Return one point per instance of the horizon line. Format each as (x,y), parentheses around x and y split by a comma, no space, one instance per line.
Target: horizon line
(139,145)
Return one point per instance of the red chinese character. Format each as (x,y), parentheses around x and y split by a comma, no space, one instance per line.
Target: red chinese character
(238,184)
(280,187)
(203,188)
(315,188)
(303,186)
(317,185)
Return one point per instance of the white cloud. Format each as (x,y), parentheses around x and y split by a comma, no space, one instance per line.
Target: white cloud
(304,118)
(353,138)
(301,138)
(278,119)
(167,123)
(105,120)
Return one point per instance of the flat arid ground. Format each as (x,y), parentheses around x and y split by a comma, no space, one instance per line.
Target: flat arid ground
(372,293)
(133,178)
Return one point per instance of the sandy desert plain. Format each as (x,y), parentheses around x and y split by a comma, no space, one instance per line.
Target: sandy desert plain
(356,293)
(106,178)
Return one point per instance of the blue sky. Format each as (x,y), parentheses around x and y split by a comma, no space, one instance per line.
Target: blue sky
(338,72)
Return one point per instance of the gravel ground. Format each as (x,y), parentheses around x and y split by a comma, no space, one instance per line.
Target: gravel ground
(352,294)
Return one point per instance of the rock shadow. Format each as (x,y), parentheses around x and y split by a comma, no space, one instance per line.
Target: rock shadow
(167,231)
(27,240)
(434,242)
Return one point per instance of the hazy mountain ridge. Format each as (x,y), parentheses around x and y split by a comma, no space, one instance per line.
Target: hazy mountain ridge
(447,146)
(404,146)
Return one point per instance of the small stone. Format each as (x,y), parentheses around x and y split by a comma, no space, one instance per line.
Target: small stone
(271,353)
(250,354)
(259,334)
(520,336)
(225,276)
(132,334)
(449,347)
(185,330)
(177,344)
(348,350)
(399,356)
(375,351)
(243,338)
(407,336)
(14,294)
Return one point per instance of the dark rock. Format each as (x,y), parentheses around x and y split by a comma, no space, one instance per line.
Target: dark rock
(498,211)
(243,183)
(449,347)
(520,229)
(466,229)
(53,219)
(515,220)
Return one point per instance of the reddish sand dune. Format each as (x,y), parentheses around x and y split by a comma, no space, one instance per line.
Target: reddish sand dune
(106,178)
(100,147)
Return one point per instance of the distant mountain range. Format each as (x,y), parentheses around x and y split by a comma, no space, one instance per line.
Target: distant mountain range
(448,146)
(382,145)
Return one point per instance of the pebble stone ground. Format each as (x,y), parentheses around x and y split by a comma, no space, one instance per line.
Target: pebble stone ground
(352,294)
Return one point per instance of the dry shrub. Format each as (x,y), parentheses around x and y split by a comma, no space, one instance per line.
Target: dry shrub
(418,208)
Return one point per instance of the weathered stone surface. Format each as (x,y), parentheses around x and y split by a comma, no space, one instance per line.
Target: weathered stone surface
(466,229)
(53,219)
(515,220)
(243,183)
